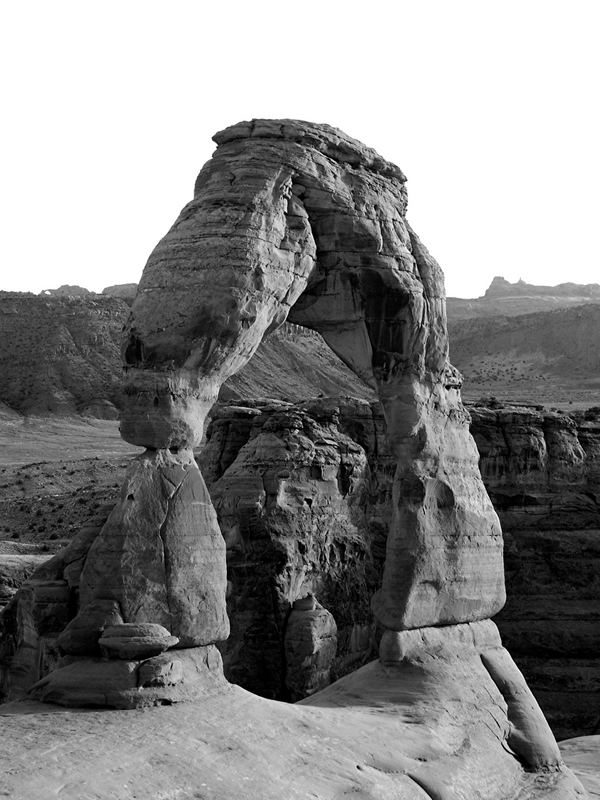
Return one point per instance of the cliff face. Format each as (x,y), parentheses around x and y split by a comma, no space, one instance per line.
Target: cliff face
(303,496)
(542,471)
(61,355)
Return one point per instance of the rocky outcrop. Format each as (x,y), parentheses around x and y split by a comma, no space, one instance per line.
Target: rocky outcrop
(39,612)
(303,512)
(160,556)
(310,647)
(206,299)
(66,290)
(295,220)
(126,291)
(542,470)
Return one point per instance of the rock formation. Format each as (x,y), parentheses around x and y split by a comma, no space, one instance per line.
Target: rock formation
(542,470)
(294,220)
(126,291)
(503,298)
(298,490)
(374,294)
(60,356)
(500,287)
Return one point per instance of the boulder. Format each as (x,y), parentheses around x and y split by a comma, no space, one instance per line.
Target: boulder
(134,641)
(310,645)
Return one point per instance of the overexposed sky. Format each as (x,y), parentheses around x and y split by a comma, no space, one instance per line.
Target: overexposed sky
(490,108)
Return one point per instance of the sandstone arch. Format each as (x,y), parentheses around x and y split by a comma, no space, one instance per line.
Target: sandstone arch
(297,221)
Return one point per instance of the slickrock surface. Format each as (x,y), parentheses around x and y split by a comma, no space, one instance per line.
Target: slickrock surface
(435,726)
(583,757)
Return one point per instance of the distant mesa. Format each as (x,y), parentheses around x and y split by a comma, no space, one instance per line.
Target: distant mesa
(67,291)
(125,291)
(503,298)
(500,287)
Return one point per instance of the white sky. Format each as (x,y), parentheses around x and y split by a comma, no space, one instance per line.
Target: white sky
(490,108)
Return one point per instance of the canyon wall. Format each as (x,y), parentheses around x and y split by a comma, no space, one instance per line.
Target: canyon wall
(542,470)
(302,492)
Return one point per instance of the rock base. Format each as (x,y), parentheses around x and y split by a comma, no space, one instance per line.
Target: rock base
(473,651)
(429,729)
(171,677)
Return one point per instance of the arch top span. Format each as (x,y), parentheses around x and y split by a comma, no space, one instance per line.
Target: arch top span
(288,218)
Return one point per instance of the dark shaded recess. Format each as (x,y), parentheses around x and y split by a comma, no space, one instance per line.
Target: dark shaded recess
(383,306)
(504,502)
(262,668)
(133,353)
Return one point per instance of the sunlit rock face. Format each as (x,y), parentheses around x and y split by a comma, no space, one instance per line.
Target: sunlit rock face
(295,220)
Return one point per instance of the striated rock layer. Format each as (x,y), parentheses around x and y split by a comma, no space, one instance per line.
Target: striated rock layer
(295,220)
(542,470)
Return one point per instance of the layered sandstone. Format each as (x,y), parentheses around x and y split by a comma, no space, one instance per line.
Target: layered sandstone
(296,220)
(308,534)
(542,469)
(302,496)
